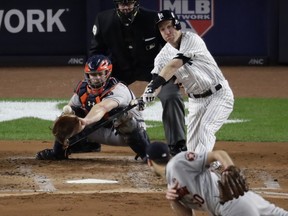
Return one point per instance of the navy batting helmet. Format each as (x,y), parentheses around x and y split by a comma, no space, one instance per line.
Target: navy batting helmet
(168,15)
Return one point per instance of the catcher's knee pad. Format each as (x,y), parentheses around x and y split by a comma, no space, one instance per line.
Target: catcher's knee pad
(125,124)
(138,141)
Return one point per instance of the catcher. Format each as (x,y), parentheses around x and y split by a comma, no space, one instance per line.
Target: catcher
(95,98)
(193,186)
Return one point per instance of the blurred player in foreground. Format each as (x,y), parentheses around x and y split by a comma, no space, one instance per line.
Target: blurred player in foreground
(96,97)
(193,186)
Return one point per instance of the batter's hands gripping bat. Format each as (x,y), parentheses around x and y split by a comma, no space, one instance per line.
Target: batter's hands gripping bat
(103,122)
(232,184)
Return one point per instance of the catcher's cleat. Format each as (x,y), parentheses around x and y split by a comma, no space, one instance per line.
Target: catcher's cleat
(144,159)
(179,147)
(48,154)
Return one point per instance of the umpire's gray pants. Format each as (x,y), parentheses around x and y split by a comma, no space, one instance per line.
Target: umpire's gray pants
(173,116)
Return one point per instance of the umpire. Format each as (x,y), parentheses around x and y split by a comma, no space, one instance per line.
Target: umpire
(128,36)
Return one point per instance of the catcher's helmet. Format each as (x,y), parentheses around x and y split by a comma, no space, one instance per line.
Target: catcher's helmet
(100,68)
(168,15)
(127,17)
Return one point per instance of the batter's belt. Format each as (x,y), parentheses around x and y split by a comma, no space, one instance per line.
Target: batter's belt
(207,93)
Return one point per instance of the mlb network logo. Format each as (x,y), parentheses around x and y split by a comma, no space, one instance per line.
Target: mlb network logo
(194,15)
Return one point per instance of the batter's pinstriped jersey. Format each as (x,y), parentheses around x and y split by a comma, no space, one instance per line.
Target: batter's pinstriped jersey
(199,189)
(200,73)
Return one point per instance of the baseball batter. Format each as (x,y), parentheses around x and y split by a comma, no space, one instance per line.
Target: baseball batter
(98,96)
(193,186)
(186,57)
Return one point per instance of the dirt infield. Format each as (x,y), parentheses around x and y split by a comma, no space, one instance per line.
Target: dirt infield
(30,187)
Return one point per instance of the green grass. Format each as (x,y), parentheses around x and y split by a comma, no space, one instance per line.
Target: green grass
(26,129)
(266,122)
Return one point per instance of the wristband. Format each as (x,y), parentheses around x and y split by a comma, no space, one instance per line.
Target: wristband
(184,58)
(157,82)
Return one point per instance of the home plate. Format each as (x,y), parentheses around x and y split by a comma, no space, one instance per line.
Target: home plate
(92,181)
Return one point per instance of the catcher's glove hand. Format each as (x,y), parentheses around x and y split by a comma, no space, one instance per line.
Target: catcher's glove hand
(232,184)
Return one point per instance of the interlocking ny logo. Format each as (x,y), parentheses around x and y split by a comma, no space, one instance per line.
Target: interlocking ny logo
(160,16)
(194,15)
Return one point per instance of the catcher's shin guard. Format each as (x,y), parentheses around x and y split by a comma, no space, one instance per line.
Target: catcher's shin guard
(84,146)
(138,141)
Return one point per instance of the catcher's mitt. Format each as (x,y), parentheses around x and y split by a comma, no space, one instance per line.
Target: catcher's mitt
(232,184)
(65,127)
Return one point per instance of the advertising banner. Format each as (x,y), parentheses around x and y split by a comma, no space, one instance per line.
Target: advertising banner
(196,16)
(58,32)
(36,29)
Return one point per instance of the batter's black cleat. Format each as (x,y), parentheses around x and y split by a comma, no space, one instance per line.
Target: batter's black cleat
(179,147)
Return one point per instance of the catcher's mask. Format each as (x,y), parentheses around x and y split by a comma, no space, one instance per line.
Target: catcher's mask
(127,10)
(97,70)
(168,15)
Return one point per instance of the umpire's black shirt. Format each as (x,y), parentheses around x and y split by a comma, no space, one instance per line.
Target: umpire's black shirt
(132,49)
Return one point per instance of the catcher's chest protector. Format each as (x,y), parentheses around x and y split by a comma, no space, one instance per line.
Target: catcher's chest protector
(88,100)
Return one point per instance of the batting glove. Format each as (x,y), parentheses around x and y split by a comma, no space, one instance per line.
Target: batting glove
(149,94)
